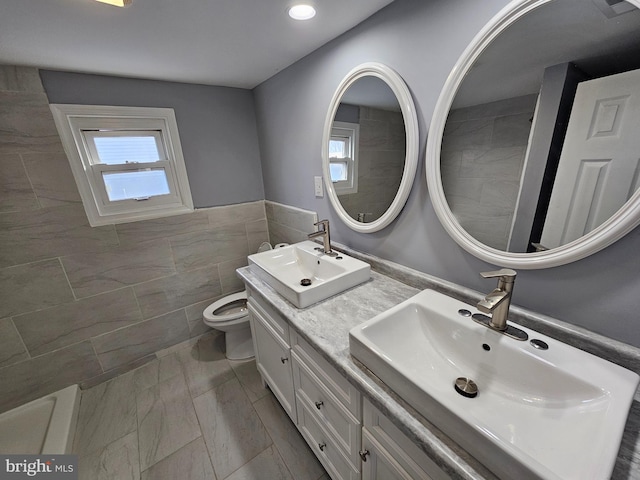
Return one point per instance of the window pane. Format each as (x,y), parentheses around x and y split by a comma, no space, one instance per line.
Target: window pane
(338,147)
(338,171)
(119,150)
(135,184)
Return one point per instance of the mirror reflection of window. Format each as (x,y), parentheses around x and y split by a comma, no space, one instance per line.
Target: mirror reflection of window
(343,157)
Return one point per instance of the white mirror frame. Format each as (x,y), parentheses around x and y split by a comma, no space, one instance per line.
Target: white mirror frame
(400,90)
(621,223)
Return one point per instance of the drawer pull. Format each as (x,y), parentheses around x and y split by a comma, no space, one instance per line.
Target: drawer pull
(363,454)
(319,404)
(322,446)
(284,359)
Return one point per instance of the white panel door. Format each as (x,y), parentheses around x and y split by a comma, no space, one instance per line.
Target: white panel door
(600,160)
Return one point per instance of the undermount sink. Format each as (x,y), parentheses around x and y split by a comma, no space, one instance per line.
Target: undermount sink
(557,413)
(304,275)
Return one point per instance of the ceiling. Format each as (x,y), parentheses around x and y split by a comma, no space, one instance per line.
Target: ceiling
(561,31)
(236,43)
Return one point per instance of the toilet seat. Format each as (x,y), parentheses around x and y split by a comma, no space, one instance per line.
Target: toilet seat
(222,312)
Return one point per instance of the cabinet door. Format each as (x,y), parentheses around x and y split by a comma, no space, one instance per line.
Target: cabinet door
(273,359)
(379,464)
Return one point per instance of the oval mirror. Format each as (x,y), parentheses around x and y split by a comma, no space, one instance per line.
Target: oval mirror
(532,158)
(370,147)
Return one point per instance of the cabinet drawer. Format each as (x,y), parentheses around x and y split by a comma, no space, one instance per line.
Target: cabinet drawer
(273,362)
(324,447)
(270,316)
(346,393)
(396,446)
(330,413)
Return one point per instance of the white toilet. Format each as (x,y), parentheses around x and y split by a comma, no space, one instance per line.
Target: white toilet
(230,315)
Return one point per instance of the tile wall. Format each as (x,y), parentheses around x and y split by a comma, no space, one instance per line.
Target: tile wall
(483,152)
(81,304)
(289,224)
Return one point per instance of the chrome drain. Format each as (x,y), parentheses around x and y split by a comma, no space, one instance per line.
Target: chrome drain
(305,282)
(465,387)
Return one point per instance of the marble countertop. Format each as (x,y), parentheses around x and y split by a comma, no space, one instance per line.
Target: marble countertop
(326,326)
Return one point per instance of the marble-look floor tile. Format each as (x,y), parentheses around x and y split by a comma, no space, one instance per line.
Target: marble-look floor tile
(166,420)
(268,464)
(157,371)
(231,427)
(107,413)
(117,461)
(205,365)
(190,462)
(293,449)
(250,379)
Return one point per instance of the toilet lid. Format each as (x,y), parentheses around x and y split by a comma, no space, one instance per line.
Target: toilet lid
(231,307)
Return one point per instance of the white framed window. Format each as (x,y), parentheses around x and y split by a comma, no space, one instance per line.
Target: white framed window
(127,161)
(343,157)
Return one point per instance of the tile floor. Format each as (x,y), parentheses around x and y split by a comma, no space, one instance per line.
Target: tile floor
(191,414)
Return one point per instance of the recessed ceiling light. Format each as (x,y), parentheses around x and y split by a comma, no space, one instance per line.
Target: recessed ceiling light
(117,3)
(302,11)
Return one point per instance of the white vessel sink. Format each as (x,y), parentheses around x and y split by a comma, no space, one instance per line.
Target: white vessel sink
(285,268)
(552,414)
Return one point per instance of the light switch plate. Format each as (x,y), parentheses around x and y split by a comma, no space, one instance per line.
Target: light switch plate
(318,186)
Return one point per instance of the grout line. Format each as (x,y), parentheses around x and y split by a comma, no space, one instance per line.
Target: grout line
(73,293)
(26,172)
(21,341)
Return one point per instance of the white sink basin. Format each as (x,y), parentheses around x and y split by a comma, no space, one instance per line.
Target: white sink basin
(284,269)
(552,414)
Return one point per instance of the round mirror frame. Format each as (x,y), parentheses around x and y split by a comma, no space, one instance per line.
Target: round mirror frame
(621,223)
(407,107)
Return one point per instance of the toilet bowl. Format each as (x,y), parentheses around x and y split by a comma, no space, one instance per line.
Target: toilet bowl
(230,315)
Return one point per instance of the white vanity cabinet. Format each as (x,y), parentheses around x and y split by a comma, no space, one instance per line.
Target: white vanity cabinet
(388,454)
(270,334)
(329,411)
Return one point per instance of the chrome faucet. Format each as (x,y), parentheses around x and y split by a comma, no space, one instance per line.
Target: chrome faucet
(324,233)
(497,301)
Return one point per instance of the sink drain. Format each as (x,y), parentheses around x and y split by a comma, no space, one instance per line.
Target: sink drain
(465,387)
(305,282)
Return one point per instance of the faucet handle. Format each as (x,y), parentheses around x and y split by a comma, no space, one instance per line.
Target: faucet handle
(506,275)
(324,223)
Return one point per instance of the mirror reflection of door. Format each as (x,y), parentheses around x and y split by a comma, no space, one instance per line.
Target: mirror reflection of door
(599,166)
(505,132)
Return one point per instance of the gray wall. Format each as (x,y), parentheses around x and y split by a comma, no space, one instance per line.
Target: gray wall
(217,128)
(422,40)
